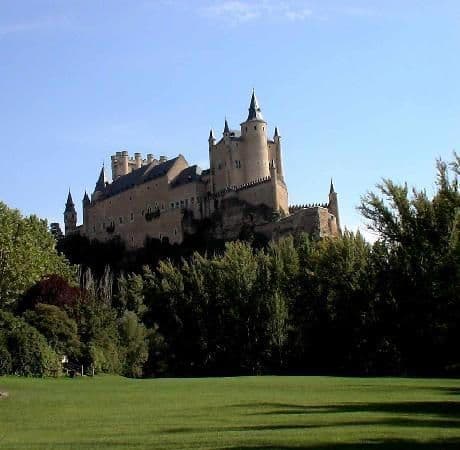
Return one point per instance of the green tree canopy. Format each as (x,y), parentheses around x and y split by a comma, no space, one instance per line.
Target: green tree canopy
(27,253)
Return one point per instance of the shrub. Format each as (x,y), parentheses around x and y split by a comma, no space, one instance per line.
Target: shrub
(30,355)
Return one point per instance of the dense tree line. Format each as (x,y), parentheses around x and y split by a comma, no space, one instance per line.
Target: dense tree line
(297,305)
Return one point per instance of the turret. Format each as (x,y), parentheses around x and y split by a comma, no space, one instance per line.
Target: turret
(278,155)
(226,132)
(333,205)
(138,160)
(123,168)
(86,203)
(211,139)
(254,133)
(100,185)
(70,215)
(211,144)
(274,182)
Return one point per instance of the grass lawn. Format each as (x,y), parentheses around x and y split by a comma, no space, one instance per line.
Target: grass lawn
(230,413)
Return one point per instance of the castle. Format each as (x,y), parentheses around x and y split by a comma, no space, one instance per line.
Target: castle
(167,199)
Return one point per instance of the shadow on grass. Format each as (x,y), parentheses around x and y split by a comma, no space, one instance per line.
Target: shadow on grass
(390,444)
(447,409)
(393,422)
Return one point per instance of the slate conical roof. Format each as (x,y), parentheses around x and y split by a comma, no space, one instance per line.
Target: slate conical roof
(276,132)
(86,200)
(100,184)
(69,205)
(331,190)
(226,127)
(254,109)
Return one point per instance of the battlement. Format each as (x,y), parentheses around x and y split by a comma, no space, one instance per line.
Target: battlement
(122,163)
(294,208)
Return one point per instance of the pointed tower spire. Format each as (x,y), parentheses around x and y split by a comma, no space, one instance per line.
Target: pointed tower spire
(254,108)
(69,205)
(86,200)
(331,190)
(100,184)
(211,135)
(70,215)
(226,127)
(276,133)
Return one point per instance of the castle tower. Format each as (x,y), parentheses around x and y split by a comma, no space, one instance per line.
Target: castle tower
(86,203)
(278,155)
(211,143)
(70,215)
(274,183)
(254,133)
(333,205)
(100,185)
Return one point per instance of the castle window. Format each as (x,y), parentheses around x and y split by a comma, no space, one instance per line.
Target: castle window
(160,236)
(246,129)
(149,209)
(172,205)
(255,127)
(94,228)
(162,206)
(177,204)
(182,203)
(132,217)
(263,128)
(175,231)
(186,202)
(120,219)
(142,212)
(192,200)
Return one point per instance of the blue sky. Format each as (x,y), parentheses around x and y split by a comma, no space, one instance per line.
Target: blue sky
(360,90)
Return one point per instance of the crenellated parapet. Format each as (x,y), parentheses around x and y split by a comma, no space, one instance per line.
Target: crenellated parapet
(294,208)
(122,163)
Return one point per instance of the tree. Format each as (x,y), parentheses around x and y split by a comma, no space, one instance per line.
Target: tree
(27,253)
(58,328)
(26,350)
(421,235)
(134,337)
(52,290)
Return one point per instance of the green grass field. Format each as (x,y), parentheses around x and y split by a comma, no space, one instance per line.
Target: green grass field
(230,413)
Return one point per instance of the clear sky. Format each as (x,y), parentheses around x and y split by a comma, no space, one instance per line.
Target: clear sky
(360,90)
